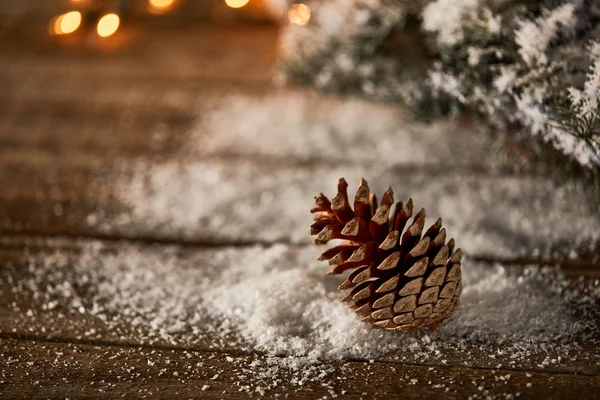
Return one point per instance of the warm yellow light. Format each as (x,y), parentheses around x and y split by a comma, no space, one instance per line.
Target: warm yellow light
(160,5)
(236,3)
(107,25)
(70,22)
(66,23)
(299,14)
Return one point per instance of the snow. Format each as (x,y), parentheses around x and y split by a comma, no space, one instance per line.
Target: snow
(533,37)
(505,80)
(531,114)
(586,101)
(585,104)
(529,47)
(251,168)
(577,148)
(307,126)
(254,182)
(276,300)
(448,83)
(491,215)
(306,50)
(446,17)
(281,152)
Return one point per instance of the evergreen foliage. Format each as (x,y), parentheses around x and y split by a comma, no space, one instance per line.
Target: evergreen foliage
(534,65)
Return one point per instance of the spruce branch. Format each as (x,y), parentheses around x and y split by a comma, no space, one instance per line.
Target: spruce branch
(532,64)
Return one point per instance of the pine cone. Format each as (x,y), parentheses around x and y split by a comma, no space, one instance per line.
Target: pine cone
(401,281)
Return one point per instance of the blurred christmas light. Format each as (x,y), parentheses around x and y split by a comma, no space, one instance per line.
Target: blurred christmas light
(236,3)
(299,14)
(66,23)
(160,5)
(108,25)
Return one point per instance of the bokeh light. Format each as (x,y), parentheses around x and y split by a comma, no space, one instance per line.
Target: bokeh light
(66,23)
(299,14)
(108,25)
(160,5)
(236,3)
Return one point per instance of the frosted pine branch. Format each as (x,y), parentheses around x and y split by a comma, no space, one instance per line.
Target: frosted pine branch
(534,37)
(529,63)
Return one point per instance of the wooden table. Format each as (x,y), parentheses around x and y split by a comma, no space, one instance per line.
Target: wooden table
(72,115)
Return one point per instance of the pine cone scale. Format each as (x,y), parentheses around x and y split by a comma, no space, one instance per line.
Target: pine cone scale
(390,262)
(360,275)
(418,268)
(406,304)
(384,301)
(390,241)
(389,285)
(398,280)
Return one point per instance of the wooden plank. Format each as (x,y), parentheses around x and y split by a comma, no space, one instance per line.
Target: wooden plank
(72,178)
(40,302)
(94,196)
(61,129)
(34,369)
(200,51)
(92,83)
(245,122)
(114,93)
(60,175)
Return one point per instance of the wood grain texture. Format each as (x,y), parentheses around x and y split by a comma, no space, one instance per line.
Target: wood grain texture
(38,369)
(24,313)
(95,196)
(234,53)
(79,122)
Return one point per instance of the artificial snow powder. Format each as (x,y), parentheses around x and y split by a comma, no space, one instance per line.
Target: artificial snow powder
(276,300)
(495,215)
(308,127)
(290,146)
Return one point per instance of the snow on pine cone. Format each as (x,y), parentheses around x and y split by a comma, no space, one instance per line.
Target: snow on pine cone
(401,281)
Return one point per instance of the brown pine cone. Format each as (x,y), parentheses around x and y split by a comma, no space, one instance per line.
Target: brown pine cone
(401,281)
